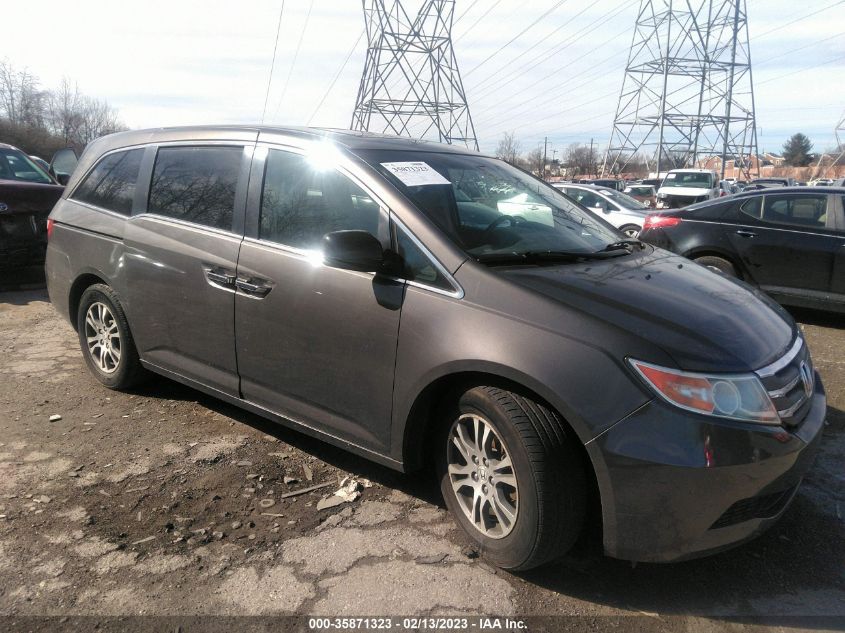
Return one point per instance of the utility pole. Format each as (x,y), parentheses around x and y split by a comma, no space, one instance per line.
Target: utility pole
(592,165)
(545,147)
(688,90)
(411,85)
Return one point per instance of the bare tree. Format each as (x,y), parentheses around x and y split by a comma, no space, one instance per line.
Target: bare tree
(63,111)
(508,149)
(42,121)
(579,159)
(21,103)
(534,158)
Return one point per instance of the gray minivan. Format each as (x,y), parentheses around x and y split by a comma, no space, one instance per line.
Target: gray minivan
(423,305)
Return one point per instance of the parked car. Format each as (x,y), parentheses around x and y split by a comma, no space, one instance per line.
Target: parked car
(607,183)
(772,182)
(334,282)
(683,187)
(655,182)
(621,210)
(822,182)
(787,241)
(27,194)
(646,194)
(43,164)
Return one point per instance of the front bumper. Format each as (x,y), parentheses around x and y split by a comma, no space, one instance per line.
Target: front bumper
(677,485)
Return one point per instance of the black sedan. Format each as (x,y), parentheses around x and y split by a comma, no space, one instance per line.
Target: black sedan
(789,242)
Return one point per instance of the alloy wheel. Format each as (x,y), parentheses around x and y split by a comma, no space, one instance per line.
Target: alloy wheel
(103,337)
(482,476)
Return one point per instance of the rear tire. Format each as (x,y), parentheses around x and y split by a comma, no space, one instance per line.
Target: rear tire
(717,264)
(631,230)
(531,507)
(105,339)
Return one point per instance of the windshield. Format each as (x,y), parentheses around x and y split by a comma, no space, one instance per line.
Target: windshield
(15,165)
(695,180)
(491,208)
(624,200)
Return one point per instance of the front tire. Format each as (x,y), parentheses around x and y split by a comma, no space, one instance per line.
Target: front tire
(511,477)
(105,339)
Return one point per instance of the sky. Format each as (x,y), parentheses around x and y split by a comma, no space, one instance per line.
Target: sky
(180,62)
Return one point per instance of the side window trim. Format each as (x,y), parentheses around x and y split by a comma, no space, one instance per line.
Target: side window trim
(141,202)
(457,291)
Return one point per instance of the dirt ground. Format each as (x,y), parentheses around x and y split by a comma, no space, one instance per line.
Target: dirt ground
(166,502)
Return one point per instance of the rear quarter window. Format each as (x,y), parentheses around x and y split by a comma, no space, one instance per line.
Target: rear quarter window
(111,184)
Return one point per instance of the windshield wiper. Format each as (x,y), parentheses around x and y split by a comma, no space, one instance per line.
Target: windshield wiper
(541,257)
(622,244)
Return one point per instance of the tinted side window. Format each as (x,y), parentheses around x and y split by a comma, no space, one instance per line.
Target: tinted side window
(417,265)
(752,207)
(300,203)
(196,184)
(111,184)
(805,211)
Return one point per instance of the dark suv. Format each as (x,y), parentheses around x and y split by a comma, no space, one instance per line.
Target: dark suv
(27,193)
(421,304)
(786,241)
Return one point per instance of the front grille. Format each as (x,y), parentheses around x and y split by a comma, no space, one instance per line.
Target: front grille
(761,507)
(789,382)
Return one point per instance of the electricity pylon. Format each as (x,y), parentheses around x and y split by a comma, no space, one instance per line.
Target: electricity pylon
(411,85)
(688,89)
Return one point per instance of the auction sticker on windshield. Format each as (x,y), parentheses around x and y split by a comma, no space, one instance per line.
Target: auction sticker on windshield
(414,174)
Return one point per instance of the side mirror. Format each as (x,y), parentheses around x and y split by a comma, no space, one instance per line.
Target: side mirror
(62,179)
(353,250)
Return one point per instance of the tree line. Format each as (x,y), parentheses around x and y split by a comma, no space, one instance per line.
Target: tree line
(40,121)
(579,159)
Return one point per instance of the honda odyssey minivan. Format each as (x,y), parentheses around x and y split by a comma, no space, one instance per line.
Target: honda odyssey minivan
(372,292)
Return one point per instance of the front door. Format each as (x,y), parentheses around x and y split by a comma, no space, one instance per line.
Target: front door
(787,242)
(180,262)
(314,344)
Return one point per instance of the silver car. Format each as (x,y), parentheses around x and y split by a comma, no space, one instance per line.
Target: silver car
(621,210)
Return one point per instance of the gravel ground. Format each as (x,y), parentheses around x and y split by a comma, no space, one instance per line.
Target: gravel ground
(166,502)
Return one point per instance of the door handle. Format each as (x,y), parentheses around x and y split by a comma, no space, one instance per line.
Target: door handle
(257,289)
(746,233)
(220,278)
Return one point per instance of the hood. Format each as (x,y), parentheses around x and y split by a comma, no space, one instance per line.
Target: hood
(703,320)
(684,191)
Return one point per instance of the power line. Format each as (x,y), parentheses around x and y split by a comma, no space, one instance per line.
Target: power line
(791,22)
(570,63)
(515,37)
(542,57)
(795,50)
(295,56)
(801,70)
(468,9)
(497,74)
(272,63)
(336,76)
(474,24)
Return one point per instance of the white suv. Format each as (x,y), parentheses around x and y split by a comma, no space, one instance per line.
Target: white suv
(683,187)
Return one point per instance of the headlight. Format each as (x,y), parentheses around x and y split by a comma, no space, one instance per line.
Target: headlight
(734,396)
